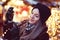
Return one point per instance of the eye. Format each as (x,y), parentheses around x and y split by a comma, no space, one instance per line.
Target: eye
(37,16)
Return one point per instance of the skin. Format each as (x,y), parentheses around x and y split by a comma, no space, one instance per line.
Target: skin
(34,17)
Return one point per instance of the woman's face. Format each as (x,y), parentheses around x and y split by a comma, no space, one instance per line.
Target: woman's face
(34,17)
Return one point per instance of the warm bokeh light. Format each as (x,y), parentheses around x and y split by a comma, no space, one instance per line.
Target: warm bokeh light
(3,0)
(1,9)
(21,11)
(54,23)
(24,13)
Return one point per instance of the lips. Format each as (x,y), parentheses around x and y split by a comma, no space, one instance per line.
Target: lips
(31,20)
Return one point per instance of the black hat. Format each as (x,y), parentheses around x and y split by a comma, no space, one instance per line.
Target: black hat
(44,12)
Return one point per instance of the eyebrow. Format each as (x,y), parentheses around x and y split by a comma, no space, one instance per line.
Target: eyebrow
(36,14)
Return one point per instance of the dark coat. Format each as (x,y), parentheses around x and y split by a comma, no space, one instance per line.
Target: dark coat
(38,33)
(13,31)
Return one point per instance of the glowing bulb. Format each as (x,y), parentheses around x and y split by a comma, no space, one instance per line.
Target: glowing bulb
(24,13)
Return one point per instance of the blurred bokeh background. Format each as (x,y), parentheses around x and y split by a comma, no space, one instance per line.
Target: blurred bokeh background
(22,10)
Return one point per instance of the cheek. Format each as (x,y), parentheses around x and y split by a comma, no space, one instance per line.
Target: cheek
(36,19)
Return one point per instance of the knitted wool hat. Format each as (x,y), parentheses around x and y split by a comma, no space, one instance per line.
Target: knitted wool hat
(44,12)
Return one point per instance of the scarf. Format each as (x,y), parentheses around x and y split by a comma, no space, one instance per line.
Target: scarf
(37,29)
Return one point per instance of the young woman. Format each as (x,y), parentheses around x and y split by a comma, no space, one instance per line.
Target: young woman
(36,28)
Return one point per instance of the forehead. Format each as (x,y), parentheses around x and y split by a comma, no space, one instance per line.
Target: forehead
(36,10)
